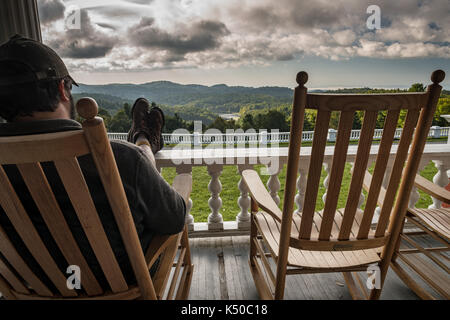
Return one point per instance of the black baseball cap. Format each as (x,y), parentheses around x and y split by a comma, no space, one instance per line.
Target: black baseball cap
(40,61)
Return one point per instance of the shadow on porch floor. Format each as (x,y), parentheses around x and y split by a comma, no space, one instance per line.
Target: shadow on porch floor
(221,272)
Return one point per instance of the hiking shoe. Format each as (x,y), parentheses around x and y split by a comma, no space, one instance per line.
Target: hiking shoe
(139,114)
(156,123)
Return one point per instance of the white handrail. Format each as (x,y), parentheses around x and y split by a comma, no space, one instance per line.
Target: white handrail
(263,137)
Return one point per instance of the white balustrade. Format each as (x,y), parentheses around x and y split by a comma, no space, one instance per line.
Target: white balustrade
(327,163)
(189,217)
(301,185)
(262,136)
(441,179)
(415,196)
(273,184)
(242,158)
(215,220)
(243,217)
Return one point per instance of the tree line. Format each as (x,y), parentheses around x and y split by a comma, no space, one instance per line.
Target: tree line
(272,118)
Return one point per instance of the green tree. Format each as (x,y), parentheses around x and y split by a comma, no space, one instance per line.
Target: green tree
(127,109)
(273,119)
(103,113)
(222,124)
(417,87)
(247,122)
(120,122)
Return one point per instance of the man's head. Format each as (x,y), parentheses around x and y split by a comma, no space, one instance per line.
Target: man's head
(34,82)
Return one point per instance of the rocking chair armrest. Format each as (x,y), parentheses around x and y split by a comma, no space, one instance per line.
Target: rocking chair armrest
(260,194)
(366,185)
(157,246)
(432,189)
(182,183)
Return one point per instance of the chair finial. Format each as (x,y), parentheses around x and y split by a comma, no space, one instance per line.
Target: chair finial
(87,108)
(302,78)
(437,76)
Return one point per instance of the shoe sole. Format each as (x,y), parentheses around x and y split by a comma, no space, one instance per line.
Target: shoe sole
(132,113)
(161,139)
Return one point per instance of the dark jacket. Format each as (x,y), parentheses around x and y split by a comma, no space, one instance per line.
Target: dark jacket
(155,206)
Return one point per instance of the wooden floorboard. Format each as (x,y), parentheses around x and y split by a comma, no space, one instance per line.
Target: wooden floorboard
(222,272)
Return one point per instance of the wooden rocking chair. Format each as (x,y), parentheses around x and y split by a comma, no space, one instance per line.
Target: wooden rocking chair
(18,281)
(339,240)
(429,262)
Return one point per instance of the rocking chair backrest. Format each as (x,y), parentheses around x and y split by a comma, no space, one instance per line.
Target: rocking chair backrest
(355,232)
(62,149)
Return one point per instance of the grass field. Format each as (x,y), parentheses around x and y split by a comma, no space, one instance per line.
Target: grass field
(230,192)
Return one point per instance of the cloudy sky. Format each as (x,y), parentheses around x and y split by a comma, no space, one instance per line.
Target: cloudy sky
(250,42)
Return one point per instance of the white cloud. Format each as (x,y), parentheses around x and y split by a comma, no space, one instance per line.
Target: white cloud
(259,32)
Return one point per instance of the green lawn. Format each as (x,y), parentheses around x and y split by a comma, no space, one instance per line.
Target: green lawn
(230,192)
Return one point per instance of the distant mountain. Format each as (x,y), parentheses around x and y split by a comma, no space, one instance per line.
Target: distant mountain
(218,98)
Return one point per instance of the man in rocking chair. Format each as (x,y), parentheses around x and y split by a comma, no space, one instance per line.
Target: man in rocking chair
(35,98)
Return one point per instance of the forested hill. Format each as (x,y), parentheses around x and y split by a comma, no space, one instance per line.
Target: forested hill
(185,103)
(217,99)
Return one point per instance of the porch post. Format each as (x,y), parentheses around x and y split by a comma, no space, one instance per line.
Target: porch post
(19,17)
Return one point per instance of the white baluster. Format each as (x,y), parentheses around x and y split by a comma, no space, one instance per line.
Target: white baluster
(243,217)
(189,217)
(441,179)
(415,196)
(327,166)
(385,184)
(301,186)
(273,184)
(215,220)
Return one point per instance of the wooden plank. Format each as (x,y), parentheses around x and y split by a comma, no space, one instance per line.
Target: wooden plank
(9,276)
(6,290)
(240,249)
(45,200)
(397,169)
(352,286)
(409,281)
(314,173)
(213,249)
(260,194)
(336,174)
(359,168)
(427,217)
(232,270)
(16,261)
(22,223)
(42,147)
(100,147)
(370,102)
(175,276)
(379,171)
(75,185)
(432,189)
(433,276)
(161,277)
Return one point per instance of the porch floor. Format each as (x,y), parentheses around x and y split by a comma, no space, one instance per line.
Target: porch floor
(221,272)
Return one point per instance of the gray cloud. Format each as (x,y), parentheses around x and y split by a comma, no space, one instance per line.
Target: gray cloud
(200,36)
(140,1)
(187,34)
(83,43)
(50,11)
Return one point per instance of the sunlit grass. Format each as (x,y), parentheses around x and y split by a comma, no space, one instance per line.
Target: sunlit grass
(230,192)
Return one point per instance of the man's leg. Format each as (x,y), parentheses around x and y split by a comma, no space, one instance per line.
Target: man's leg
(144,144)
